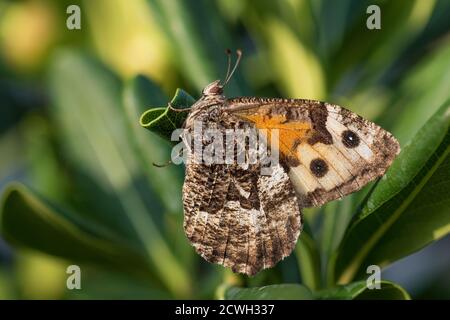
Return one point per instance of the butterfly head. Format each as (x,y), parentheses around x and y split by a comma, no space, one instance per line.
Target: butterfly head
(213,89)
(216,88)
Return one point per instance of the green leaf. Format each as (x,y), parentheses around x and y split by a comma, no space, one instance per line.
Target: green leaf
(28,220)
(7,288)
(288,55)
(420,94)
(114,286)
(402,21)
(359,291)
(163,120)
(273,292)
(356,290)
(331,31)
(407,210)
(139,93)
(336,218)
(308,259)
(87,100)
(179,25)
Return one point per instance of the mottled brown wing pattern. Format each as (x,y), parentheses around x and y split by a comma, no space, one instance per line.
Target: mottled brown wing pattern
(329,150)
(237,217)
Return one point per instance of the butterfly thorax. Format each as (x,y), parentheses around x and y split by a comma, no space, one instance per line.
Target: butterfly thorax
(210,102)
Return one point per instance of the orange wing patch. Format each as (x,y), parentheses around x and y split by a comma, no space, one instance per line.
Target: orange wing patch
(291,133)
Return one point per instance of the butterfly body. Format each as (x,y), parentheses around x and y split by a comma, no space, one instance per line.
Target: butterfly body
(237,217)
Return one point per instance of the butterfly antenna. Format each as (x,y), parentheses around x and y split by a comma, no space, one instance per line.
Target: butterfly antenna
(180,153)
(230,74)
(228,52)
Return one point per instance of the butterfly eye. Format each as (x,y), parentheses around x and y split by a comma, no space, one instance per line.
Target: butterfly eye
(213,89)
(350,139)
(318,167)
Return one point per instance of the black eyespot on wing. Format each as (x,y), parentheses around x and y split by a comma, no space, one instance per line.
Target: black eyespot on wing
(350,139)
(318,167)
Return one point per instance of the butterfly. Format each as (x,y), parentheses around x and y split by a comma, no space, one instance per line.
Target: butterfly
(235,216)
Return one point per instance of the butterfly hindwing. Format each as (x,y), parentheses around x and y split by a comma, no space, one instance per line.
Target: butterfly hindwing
(235,216)
(329,151)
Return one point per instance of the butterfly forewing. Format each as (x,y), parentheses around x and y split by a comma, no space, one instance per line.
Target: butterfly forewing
(327,150)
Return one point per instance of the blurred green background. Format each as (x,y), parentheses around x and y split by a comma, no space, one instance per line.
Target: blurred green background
(70,102)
